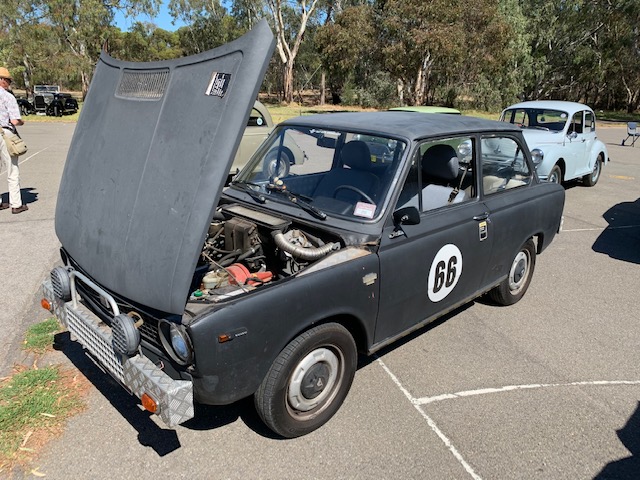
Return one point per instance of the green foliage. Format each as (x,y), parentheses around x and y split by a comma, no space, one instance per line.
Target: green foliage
(443,52)
(31,399)
(39,337)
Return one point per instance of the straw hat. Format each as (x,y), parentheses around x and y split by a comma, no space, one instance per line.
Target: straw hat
(4,73)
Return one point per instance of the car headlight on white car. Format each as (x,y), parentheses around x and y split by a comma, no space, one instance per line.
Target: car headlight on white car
(537,156)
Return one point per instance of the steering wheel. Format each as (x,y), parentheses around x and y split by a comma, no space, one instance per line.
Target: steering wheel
(355,189)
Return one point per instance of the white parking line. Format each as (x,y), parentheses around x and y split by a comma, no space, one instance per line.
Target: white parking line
(598,229)
(510,388)
(430,422)
(25,159)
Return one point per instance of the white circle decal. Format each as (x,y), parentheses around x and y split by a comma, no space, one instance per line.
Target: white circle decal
(445,272)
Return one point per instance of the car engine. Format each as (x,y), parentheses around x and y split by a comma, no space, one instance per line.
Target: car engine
(245,249)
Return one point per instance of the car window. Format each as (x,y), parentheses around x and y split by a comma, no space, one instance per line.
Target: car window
(576,123)
(342,173)
(537,118)
(589,123)
(503,165)
(441,175)
(256,119)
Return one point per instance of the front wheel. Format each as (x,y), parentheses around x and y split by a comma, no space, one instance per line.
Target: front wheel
(592,178)
(517,282)
(555,175)
(308,381)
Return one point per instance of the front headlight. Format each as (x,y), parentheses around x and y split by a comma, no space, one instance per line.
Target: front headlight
(176,342)
(537,156)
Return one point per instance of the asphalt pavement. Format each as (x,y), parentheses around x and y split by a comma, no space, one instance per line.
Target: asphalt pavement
(548,388)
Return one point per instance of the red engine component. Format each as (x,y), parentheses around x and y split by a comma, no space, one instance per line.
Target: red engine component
(240,275)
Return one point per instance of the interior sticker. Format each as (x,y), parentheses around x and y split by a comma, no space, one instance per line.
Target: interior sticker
(366,210)
(218,85)
(445,272)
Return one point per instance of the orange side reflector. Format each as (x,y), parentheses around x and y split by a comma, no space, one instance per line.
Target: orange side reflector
(45,304)
(149,403)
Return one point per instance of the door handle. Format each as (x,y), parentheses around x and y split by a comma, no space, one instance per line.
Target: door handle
(482,216)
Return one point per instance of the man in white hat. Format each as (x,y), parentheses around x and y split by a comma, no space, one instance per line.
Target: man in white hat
(9,120)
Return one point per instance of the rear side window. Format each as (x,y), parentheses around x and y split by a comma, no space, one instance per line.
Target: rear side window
(589,122)
(256,119)
(504,165)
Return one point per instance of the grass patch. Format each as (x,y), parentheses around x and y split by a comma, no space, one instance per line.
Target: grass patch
(34,403)
(39,337)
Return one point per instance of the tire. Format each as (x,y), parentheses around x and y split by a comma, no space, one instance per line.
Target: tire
(513,288)
(555,175)
(273,167)
(592,178)
(308,381)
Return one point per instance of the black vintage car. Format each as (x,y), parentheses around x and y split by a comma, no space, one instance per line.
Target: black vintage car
(26,107)
(271,287)
(61,104)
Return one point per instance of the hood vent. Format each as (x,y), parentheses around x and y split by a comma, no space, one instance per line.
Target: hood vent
(141,85)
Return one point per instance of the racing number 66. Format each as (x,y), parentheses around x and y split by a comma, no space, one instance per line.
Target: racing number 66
(445,272)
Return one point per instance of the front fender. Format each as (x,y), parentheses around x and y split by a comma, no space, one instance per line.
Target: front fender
(552,155)
(263,322)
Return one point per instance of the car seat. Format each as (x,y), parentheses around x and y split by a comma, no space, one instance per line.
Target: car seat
(355,172)
(440,171)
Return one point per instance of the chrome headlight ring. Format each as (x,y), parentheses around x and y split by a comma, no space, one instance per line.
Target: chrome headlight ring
(176,342)
(537,156)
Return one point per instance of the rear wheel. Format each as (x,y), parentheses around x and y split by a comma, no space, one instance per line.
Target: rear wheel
(517,282)
(592,178)
(308,381)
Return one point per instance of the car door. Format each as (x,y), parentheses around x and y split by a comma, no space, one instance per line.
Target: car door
(576,147)
(430,267)
(506,184)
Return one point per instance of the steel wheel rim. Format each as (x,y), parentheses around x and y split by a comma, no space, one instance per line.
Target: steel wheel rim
(301,405)
(554,177)
(519,272)
(596,171)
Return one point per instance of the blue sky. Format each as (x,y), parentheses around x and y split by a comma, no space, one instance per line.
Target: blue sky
(163,20)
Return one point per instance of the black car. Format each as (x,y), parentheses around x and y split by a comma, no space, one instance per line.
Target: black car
(271,287)
(26,107)
(61,104)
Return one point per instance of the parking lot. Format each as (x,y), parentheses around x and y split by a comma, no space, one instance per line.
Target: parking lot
(547,388)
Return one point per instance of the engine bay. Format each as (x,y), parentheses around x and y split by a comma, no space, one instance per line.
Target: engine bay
(245,249)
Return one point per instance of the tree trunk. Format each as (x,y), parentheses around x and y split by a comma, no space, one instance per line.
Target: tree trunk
(287,81)
(322,88)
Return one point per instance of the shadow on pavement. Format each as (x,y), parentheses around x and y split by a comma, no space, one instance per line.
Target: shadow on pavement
(626,468)
(162,440)
(621,239)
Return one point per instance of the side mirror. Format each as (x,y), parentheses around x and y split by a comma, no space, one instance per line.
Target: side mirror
(572,135)
(406,216)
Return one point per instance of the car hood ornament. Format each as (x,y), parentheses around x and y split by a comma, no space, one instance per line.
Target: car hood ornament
(148,161)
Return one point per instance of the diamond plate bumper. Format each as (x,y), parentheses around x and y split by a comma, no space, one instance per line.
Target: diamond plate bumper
(137,374)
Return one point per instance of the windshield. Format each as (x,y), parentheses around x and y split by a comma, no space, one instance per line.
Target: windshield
(324,172)
(538,118)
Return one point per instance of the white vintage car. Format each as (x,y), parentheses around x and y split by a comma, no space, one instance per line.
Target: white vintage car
(562,139)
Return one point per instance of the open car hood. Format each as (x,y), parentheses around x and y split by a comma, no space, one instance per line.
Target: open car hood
(147,163)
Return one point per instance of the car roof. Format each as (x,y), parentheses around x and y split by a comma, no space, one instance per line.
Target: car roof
(401,124)
(427,109)
(569,107)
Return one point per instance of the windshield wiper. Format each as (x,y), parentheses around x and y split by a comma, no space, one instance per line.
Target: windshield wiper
(246,187)
(297,200)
